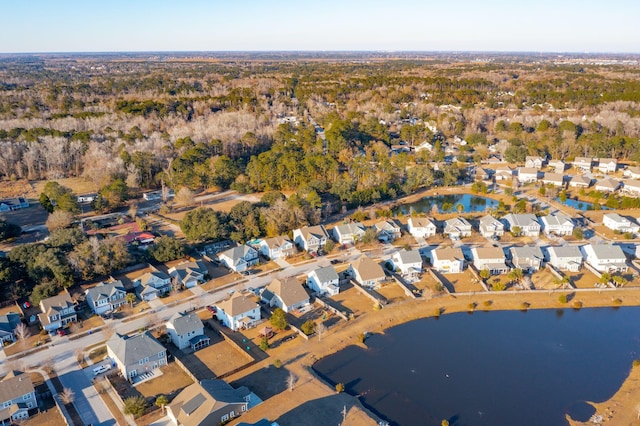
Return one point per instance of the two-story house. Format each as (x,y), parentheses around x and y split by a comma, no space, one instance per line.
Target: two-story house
(527,258)
(583,163)
(239,258)
(409,262)
(457,228)
(286,294)
(607,165)
(106,297)
(17,397)
(348,233)
(527,223)
(8,323)
(605,257)
(239,311)
(57,312)
(366,272)
(187,330)
(311,238)
(188,274)
(277,247)
(534,162)
(137,354)
(527,175)
(565,258)
(555,179)
(387,231)
(324,280)
(491,259)
(632,172)
(421,227)
(153,284)
(490,227)
(631,187)
(620,223)
(557,223)
(448,260)
(503,173)
(557,165)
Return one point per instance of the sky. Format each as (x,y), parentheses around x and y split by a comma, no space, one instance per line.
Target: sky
(267,25)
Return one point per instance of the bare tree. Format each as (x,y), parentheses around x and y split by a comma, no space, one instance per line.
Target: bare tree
(291,381)
(47,365)
(185,197)
(320,329)
(67,396)
(59,219)
(22,333)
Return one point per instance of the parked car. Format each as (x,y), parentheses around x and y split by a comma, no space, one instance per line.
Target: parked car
(26,305)
(101,369)
(211,309)
(61,332)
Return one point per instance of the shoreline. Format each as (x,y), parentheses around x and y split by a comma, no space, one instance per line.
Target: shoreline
(299,360)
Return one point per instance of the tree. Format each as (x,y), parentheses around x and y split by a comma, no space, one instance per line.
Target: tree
(59,219)
(8,230)
(22,333)
(162,401)
(485,274)
(45,202)
(264,343)
(291,381)
(68,202)
(516,231)
(339,387)
(605,278)
(42,291)
(205,224)
(445,422)
(308,328)
(329,246)
(369,236)
(130,298)
(67,396)
(185,197)
(278,319)
(167,248)
(578,233)
(135,405)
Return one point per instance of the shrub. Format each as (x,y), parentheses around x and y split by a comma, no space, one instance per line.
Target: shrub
(487,303)
(472,306)
(340,387)
(524,306)
(617,301)
(577,304)
(437,312)
(264,344)
(562,298)
(277,363)
(636,362)
(362,337)
(308,328)
(135,405)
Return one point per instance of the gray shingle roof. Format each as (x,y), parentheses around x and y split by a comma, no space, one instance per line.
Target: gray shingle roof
(184,323)
(326,274)
(129,350)
(105,290)
(14,385)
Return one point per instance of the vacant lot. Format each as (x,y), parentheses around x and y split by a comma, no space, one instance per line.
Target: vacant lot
(583,279)
(351,300)
(173,379)
(463,282)
(543,280)
(221,357)
(392,292)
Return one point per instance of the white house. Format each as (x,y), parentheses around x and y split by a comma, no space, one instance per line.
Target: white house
(491,259)
(421,227)
(557,223)
(286,294)
(605,257)
(311,238)
(534,162)
(11,204)
(527,175)
(17,397)
(239,258)
(324,280)
(607,165)
(366,272)
(557,165)
(619,223)
(631,187)
(580,182)
(457,228)
(239,311)
(409,262)
(527,258)
(106,297)
(187,330)
(490,227)
(632,172)
(87,198)
(555,179)
(348,233)
(583,163)
(607,185)
(277,247)
(387,230)
(503,173)
(527,222)
(448,260)
(565,258)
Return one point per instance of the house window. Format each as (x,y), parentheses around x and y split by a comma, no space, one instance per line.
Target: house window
(146,359)
(244,408)
(29,405)
(141,362)
(7,404)
(224,418)
(27,396)
(160,354)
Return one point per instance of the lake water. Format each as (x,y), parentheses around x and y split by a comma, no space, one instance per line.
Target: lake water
(492,368)
(579,205)
(470,203)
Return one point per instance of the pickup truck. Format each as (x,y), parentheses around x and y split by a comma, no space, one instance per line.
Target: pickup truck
(101,369)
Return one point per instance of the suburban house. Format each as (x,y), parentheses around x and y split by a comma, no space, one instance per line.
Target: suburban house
(8,323)
(619,223)
(605,257)
(209,402)
(557,223)
(633,172)
(607,165)
(631,187)
(10,204)
(57,311)
(324,280)
(87,198)
(607,185)
(348,233)
(483,174)
(17,397)
(534,162)
(527,258)
(527,175)
(491,259)
(188,274)
(409,262)
(387,230)
(286,294)
(457,228)
(565,258)
(239,258)
(239,311)
(421,227)
(187,330)
(448,260)
(277,247)
(582,163)
(366,272)
(527,222)
(490,227)
(557,165)
(311,238)
(106,297)
(580,182)
(137,354)
(154,284)
(503,173)
(555,179)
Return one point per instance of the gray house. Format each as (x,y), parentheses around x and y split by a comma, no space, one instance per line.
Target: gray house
(137,354)
(8,323)
(527,258)
(187,330)
(154,284)
(57,311)
(17,397)
(106,297)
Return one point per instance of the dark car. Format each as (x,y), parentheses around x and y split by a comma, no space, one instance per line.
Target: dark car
(211,309)
(26,305)
(61,332)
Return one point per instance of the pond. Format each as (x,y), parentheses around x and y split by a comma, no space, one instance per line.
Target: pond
(491,368)
(579,205)
(448,203)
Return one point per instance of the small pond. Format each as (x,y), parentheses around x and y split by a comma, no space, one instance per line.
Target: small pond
(579,204)
(448,203)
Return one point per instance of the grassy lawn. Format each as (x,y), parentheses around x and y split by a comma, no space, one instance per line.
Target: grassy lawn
(51,417)
(222,281)
(583,279)
(173,378)
(33,341)
(98,354)
(77,185)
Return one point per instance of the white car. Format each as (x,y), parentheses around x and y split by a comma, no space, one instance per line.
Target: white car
(101,369)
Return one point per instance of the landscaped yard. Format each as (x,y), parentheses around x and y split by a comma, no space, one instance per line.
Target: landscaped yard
(98,354)
(173,378)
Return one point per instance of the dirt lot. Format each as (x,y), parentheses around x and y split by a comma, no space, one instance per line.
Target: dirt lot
(583,279)
(392,292)
(221,357)
(462,283)
(351,300)
(543,280)
(173,379)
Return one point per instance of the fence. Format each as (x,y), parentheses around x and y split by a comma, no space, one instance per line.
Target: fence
(332,309)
